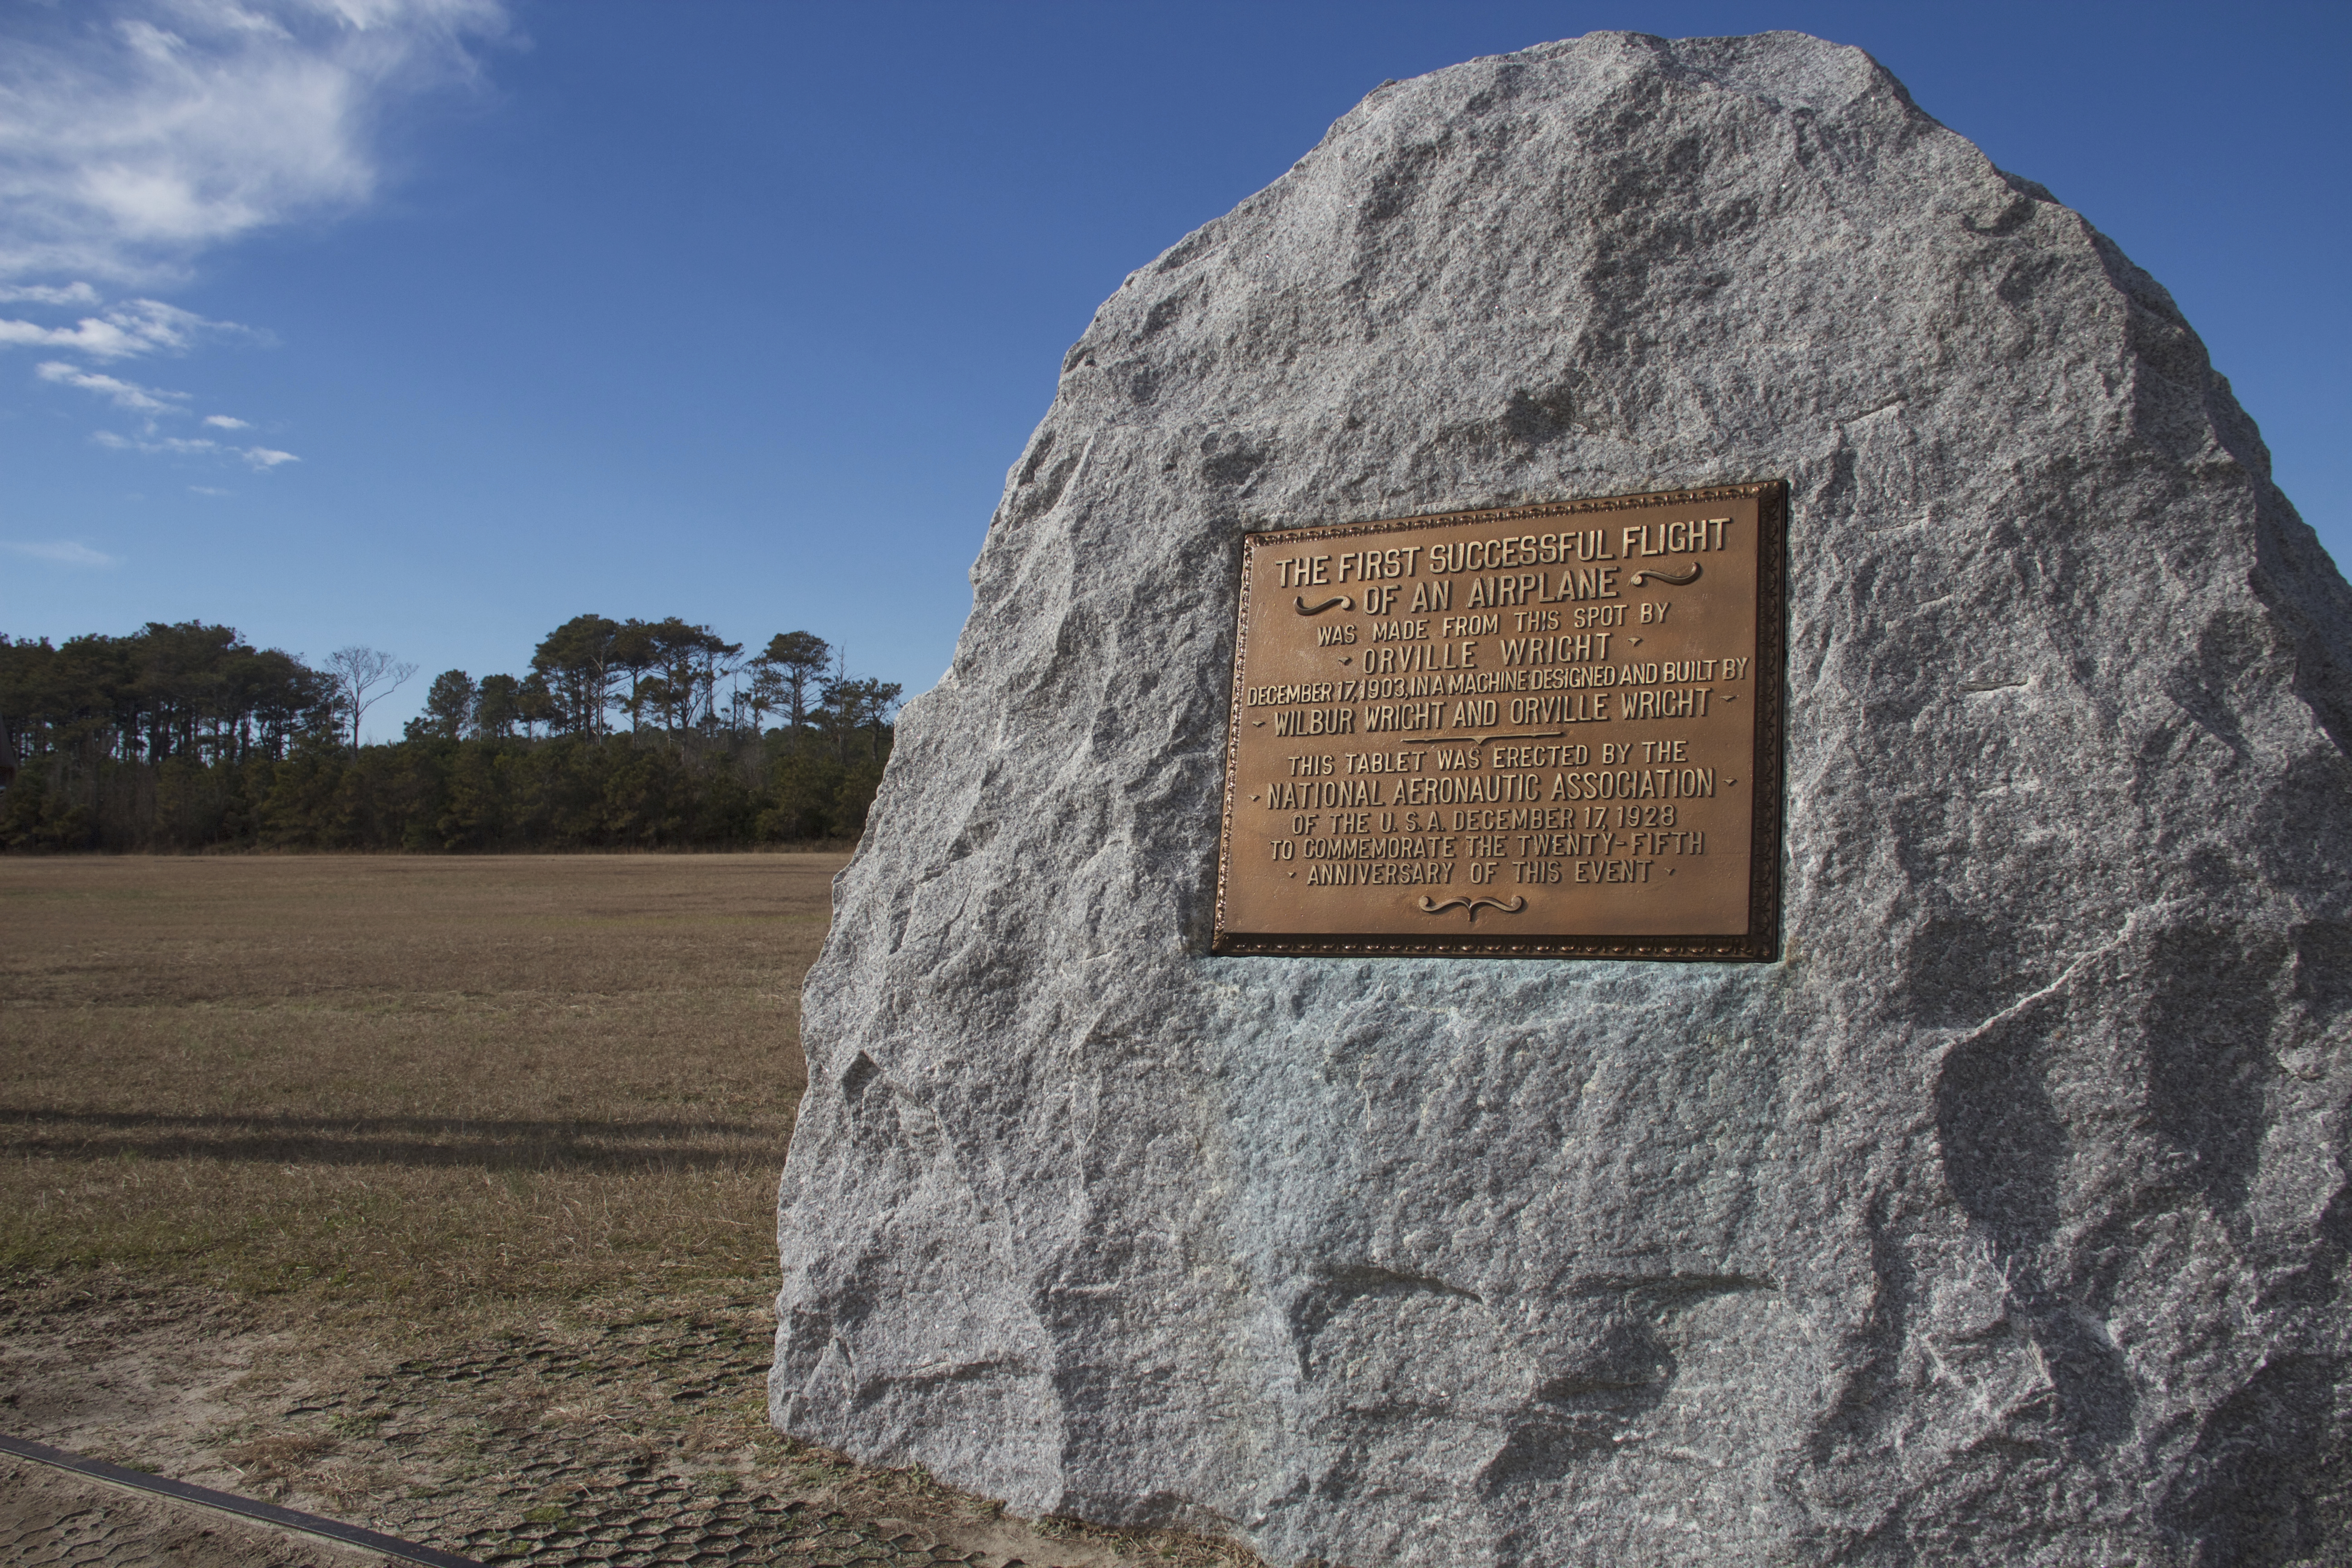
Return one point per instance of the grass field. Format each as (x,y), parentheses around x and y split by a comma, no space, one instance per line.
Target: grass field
(455,1084)
(433,1192)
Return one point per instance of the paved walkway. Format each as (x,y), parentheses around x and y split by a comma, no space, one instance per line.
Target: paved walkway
(568,1449)
(538,1493)
(619,1442)
(49,1516)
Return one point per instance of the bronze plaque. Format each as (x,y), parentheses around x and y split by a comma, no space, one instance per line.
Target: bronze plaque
(1544,731)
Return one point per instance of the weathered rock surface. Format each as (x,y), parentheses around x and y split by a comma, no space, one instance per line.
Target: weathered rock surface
(2003,1221)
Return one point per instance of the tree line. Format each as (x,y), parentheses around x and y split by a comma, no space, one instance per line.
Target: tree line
(623,733)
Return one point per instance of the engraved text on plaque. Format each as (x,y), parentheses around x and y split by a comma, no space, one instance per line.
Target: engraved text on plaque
(1544,731)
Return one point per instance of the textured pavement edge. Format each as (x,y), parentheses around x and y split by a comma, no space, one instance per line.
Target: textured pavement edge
(52,1516)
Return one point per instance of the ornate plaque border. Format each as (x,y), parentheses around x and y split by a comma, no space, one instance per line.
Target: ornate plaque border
(1759,943)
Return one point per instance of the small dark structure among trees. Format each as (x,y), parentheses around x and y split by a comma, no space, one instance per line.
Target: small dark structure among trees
(622,734)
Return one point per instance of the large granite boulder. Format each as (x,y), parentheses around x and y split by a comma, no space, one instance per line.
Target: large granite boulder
(2002,1220)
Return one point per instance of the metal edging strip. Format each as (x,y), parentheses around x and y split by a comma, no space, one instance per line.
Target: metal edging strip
(229,1502)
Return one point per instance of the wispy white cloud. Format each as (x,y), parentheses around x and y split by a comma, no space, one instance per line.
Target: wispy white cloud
(44,294)
(91,335)
(261,459)
(154,445)
(133,327)
(135,134)
(60,552)
(209,489)
(122,394)
(156,402)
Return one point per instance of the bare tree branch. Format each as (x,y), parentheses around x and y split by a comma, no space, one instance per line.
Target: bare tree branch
(357,672)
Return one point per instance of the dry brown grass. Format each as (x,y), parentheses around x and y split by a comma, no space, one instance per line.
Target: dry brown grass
(442,1083)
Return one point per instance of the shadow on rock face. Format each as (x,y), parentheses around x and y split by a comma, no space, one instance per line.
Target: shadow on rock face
(1389,1358)
(2267,1484)
(2006,1150)
(2206,1025)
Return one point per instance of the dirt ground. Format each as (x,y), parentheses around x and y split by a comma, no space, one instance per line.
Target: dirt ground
(435,1195)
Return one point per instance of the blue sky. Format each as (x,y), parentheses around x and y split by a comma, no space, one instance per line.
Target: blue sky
(428,324)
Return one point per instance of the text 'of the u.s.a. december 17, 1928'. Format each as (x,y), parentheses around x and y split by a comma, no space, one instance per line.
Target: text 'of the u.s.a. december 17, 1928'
(1542,731)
